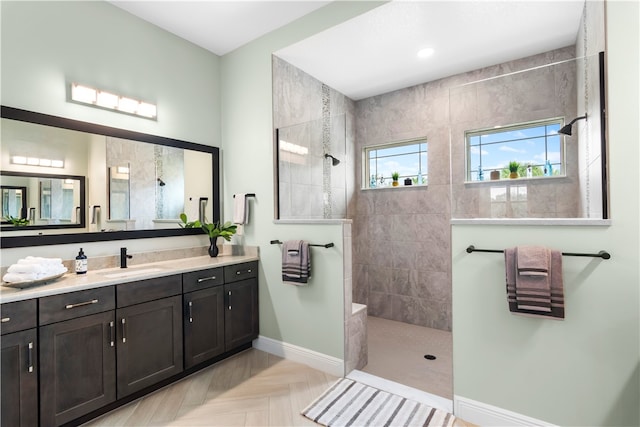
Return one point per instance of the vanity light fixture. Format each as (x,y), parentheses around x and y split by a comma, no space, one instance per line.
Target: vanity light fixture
(101,98)
(34,161)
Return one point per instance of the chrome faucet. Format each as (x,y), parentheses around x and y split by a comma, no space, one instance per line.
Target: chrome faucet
(123,257)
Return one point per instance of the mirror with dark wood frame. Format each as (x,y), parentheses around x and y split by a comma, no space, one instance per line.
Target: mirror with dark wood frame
(113,184)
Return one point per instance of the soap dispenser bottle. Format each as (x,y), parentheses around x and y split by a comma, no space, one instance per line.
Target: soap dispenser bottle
(81,263)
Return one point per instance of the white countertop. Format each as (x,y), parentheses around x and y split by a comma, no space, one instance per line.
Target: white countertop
(71,282)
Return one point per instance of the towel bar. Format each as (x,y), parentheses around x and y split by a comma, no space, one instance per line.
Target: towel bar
(327,245)
(247,195)
(601,254)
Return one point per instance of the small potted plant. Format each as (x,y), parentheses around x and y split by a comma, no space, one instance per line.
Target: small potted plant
(513,169)
(17,222)
(213,230)
(395,177)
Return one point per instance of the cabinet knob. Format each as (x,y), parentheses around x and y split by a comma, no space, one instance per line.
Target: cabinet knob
(5,319)
(229,293)
(229,307)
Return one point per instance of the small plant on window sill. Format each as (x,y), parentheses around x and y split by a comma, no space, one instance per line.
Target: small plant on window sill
(395,177)
(513,169)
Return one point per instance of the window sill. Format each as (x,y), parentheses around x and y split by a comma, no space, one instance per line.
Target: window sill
(394,188)
(516,180)
(532,221)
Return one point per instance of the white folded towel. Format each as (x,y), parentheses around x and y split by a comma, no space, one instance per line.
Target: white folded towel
(34,268)
(27,268)
(17,277)
(39,260)
(27,277)
(240,210)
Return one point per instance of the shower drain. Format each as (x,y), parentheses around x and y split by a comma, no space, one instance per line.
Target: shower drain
(429,357)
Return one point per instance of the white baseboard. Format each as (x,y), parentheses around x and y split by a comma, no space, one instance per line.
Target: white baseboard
(483,414)
(322,362)
(407,392)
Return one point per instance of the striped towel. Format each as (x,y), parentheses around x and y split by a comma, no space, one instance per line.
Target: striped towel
(533,298)
(296,262)
(533,287)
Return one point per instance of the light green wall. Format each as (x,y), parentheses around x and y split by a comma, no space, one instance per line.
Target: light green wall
(46,45)
(310,317)
(583,370)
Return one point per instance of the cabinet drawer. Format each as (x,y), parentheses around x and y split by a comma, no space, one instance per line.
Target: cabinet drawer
(148,290)
(18,316)
(246,270)
(57,308)
(202,279)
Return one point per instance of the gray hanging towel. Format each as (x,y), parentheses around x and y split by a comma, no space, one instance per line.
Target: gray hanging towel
(554,278)
(296,262)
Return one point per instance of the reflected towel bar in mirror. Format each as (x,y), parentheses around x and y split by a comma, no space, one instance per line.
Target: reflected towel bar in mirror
(601,254)
(247,195)
(327,245)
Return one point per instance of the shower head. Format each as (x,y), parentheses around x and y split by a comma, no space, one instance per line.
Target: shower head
(161,183)
(334,161)
(566,130)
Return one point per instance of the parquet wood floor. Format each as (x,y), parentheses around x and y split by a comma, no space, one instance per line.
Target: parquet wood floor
(252,388)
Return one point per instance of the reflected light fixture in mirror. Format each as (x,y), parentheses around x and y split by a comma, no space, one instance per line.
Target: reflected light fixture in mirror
(34,161)
(99,98)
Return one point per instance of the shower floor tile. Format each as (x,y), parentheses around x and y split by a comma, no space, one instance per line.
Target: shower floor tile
(397,350)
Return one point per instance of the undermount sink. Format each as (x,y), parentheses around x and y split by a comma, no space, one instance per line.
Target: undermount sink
(127,272)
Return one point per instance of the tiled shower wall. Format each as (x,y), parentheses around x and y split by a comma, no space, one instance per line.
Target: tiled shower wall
(402,241)
(311,114)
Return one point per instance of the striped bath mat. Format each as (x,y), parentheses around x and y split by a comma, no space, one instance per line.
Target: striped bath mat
(350,403)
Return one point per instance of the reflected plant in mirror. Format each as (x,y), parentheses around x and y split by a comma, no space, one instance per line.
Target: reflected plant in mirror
(42,201)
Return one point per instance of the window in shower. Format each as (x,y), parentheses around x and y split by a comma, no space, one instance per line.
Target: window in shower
(531,150)
(407,159)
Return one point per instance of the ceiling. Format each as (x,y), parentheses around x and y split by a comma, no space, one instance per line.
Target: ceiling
(375,52)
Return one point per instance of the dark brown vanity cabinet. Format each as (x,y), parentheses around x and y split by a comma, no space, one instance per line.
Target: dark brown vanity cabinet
(203,310)
(77,354)
(67,355)
(241,304)
(149,332)
(19,360)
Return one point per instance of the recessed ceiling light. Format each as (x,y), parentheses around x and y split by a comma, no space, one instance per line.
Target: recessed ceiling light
(426,52)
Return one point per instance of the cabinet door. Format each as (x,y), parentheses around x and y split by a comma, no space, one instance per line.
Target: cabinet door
(77,361)
(241,313)
(203,325)
(19,379)
(149,343)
